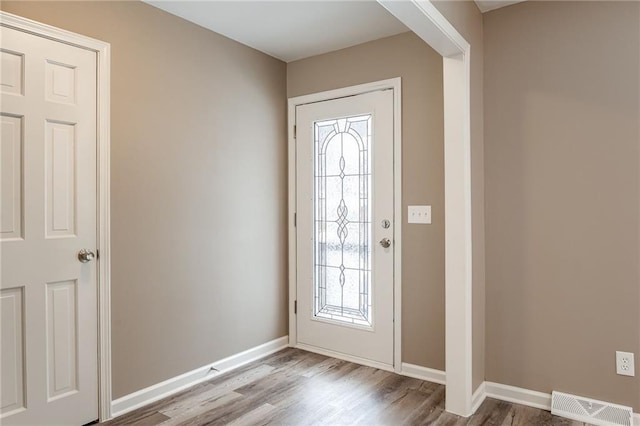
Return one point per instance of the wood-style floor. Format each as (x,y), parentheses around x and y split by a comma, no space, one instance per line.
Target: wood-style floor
(295,387)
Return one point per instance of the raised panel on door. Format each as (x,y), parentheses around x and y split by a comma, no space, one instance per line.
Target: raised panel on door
(11,169)
(12,358)
(60,82)
(11,72)
(60,179)
(62,339)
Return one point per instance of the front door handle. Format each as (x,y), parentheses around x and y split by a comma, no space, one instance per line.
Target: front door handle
(385,242)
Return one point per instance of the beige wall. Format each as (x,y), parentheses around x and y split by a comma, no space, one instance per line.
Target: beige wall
(467,19)
(420,67)
(198,177)
(563,196)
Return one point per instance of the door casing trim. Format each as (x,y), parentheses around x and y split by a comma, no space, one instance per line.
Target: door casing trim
(103,261)
(394,84)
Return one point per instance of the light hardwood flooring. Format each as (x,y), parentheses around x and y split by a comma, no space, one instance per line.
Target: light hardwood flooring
(295,387)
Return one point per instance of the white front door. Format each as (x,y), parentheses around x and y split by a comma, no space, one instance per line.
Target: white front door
(48,301)
(345,226)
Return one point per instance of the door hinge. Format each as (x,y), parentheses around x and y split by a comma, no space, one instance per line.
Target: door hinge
(295,131)
(295,219)
(295,306)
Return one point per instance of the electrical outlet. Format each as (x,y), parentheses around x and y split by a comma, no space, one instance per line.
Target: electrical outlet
(625,365)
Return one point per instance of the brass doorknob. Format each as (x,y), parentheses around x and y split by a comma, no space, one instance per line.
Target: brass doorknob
(85,256)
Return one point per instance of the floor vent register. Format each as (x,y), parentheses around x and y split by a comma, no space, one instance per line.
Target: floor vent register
(590,410)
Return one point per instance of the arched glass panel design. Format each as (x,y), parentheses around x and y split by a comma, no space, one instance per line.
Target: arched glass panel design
(342,219)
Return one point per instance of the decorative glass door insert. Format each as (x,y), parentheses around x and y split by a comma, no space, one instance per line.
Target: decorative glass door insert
(342,220)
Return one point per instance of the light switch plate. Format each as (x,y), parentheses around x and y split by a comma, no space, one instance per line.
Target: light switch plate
(420,214)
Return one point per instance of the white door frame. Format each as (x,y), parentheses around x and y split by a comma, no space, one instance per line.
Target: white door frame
(102,50)
(395,85)
(422,17)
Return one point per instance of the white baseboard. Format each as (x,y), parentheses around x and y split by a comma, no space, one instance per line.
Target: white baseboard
(424,373)
(517,395)
(176,384)
(522,396)
(478,397)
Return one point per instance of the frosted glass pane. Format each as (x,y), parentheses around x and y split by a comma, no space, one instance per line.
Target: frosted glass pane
(342,218)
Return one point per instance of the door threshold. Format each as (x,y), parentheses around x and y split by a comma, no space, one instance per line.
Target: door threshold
(346,357)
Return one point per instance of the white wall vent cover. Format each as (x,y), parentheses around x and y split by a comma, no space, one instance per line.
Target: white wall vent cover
(590,410)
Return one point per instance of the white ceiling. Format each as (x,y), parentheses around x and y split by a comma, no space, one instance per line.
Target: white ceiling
(290,30)
(487,5)
(294,29)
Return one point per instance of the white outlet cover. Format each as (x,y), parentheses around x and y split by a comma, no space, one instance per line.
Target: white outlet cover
(419,214)
(625,365)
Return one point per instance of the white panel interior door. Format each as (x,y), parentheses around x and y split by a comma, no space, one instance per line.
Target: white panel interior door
(48,299)
(345,226)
